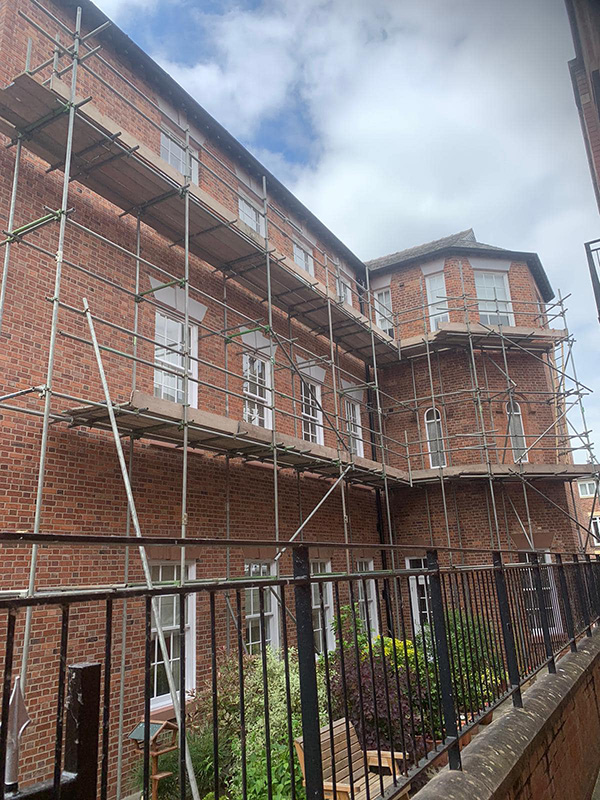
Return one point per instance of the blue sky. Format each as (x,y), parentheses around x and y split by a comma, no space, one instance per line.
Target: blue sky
(398,121)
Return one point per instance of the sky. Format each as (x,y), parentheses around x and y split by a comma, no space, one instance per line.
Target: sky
(401,121)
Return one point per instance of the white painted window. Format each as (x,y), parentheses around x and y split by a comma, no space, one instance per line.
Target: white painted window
(435,437)
(587,488)
(419,593)
(595,529)
(384,316)
(353,427)
(169,352)
(437,299)
(312,415)
(257,390)
(249,214)
(173,152)
(168,614)
(516,431)
(261,569)
(549,593)
(323,637)
(344,288)
(304,259)
(365,595)
(493,297)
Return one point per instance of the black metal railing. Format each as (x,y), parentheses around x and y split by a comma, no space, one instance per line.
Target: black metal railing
(311,684)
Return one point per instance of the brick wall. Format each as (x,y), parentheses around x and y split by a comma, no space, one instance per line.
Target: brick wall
(549,750)
(83,487)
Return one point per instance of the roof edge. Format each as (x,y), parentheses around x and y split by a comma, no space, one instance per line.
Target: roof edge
(532,260)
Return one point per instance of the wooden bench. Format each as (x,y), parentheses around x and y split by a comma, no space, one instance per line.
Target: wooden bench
(355,767)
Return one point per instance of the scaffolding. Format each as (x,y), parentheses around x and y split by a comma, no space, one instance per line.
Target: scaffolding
(331,326)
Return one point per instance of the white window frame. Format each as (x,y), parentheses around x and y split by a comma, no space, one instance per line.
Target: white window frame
(353,427)
(518,440)
(440,455)
(311,412)
(304,259)
(595,529)
(589,490)
(344,288)
(384,314)
(163,378)
(491,310)
(530,590)
(321,566)
(173,152)
(437,303)
(367,565)
(171,632)
(251,215)
(257,404)
(419,592)
(256,568)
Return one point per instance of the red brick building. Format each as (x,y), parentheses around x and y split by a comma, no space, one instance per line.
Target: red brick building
(267,384)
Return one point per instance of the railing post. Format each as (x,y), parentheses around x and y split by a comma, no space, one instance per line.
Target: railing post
(537,580)
(582,594)
(308,677)
(507,630)
(83,721)
(566,600)
(441,643)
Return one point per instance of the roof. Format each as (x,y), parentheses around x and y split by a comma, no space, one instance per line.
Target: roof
(113,36)
(463,243)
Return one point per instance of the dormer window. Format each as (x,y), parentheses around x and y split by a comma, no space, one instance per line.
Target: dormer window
(304,259)
(172,150)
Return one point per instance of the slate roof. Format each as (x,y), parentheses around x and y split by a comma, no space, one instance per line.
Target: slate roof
(463,243)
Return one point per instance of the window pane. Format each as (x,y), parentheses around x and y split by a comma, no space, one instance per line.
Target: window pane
(493,297)
(435,440)
(436,299)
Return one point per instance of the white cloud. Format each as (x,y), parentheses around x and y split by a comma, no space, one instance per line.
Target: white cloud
(123,10)
(428,118)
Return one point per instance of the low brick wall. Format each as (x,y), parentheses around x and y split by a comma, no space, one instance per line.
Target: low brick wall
(549,749)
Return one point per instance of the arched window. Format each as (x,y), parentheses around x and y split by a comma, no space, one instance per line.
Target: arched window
(516,431)
(435,437)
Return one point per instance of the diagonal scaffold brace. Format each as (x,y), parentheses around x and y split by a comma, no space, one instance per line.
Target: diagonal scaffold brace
(142,550)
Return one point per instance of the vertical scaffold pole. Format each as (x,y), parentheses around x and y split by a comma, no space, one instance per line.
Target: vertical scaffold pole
(52,346)
(334,379)
(271,360)
(186,354)
(10,226)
